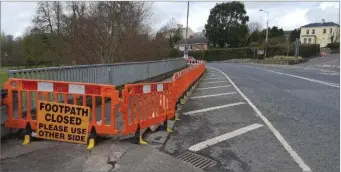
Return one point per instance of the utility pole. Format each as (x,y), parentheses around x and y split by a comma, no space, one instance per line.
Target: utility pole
(267,28)
(288,37)
(186,42)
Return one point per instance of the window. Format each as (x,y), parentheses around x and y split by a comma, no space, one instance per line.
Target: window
(330,30)
(313,31)
(324,30)
(305,40)
(307,31)
(309,40)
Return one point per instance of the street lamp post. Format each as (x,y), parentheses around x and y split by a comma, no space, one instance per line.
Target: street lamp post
(267,28)
(186,40)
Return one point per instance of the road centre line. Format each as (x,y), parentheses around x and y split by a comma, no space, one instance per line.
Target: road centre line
(304,78)
(212,95)
(212,82)
(285,144)
(212,108)
(205,88)
(224,137)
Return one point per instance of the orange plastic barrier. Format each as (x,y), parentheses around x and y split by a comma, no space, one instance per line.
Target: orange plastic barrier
(142,105)
(183,79)
(27,92)
(146,104)
(192,61)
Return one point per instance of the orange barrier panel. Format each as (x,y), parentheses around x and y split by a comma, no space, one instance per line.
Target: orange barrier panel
(146,104)
(183,79)
(28,92)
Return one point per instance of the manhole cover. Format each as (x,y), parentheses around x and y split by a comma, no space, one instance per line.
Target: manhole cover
(197,160)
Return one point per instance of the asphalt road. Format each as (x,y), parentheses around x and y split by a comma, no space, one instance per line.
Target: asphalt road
(301,102)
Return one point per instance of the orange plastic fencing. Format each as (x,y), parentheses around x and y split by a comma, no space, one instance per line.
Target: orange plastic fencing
(192,61)
(183,79)
(146,104)
(101,98)
(142,105)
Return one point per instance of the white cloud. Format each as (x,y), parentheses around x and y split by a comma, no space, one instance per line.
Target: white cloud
(292,19)
(326,5)
(16,16)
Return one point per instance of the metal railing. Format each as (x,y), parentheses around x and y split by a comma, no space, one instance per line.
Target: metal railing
(115,74)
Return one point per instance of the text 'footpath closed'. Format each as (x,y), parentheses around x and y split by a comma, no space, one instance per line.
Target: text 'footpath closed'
(63,122)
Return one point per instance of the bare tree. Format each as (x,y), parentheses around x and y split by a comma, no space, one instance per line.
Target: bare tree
(95,32)
(254,26)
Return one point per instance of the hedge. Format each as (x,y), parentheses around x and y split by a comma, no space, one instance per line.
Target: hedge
(306,50)
(309,50)
(335,47)
(222,54)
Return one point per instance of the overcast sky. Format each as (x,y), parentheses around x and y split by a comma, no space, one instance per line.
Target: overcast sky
(16,16)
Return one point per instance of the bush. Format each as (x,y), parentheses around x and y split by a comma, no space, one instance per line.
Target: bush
(306,50)
(254,44)
(175,53)
(309,50)
(287,57)
(197,54)
(223,54)
(335,45)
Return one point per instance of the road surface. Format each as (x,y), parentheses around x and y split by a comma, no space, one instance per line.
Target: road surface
(252,117)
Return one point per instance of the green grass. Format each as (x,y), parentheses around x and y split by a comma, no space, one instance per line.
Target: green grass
(286,57)
(3,77)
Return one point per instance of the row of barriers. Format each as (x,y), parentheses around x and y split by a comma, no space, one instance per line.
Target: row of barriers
(142,105)
(192,61)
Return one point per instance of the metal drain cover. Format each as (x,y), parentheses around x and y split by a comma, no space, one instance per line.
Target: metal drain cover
(197,160)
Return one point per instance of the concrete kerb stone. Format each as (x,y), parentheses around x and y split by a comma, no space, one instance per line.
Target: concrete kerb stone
(103,157)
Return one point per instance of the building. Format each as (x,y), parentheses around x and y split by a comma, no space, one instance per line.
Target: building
(194,43)
(320,33)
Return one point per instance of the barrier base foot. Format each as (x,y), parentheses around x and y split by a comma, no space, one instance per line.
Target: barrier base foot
(142,142)
(169,130)
(91,144)
(27,139)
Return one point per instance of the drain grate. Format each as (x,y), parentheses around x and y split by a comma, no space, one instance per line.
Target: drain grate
(197,160)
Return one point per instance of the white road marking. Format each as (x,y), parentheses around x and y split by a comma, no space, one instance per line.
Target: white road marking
(205,88)
(304,78)
(212,82)
(212,95)
(212,108)
(214,78)
(285,144)
(218,139)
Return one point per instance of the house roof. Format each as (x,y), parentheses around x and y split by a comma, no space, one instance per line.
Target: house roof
(321,24)
(194,40)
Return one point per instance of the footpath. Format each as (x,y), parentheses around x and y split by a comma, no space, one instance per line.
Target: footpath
(109,154)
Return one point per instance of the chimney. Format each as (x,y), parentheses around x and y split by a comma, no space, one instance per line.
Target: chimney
(322,21)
